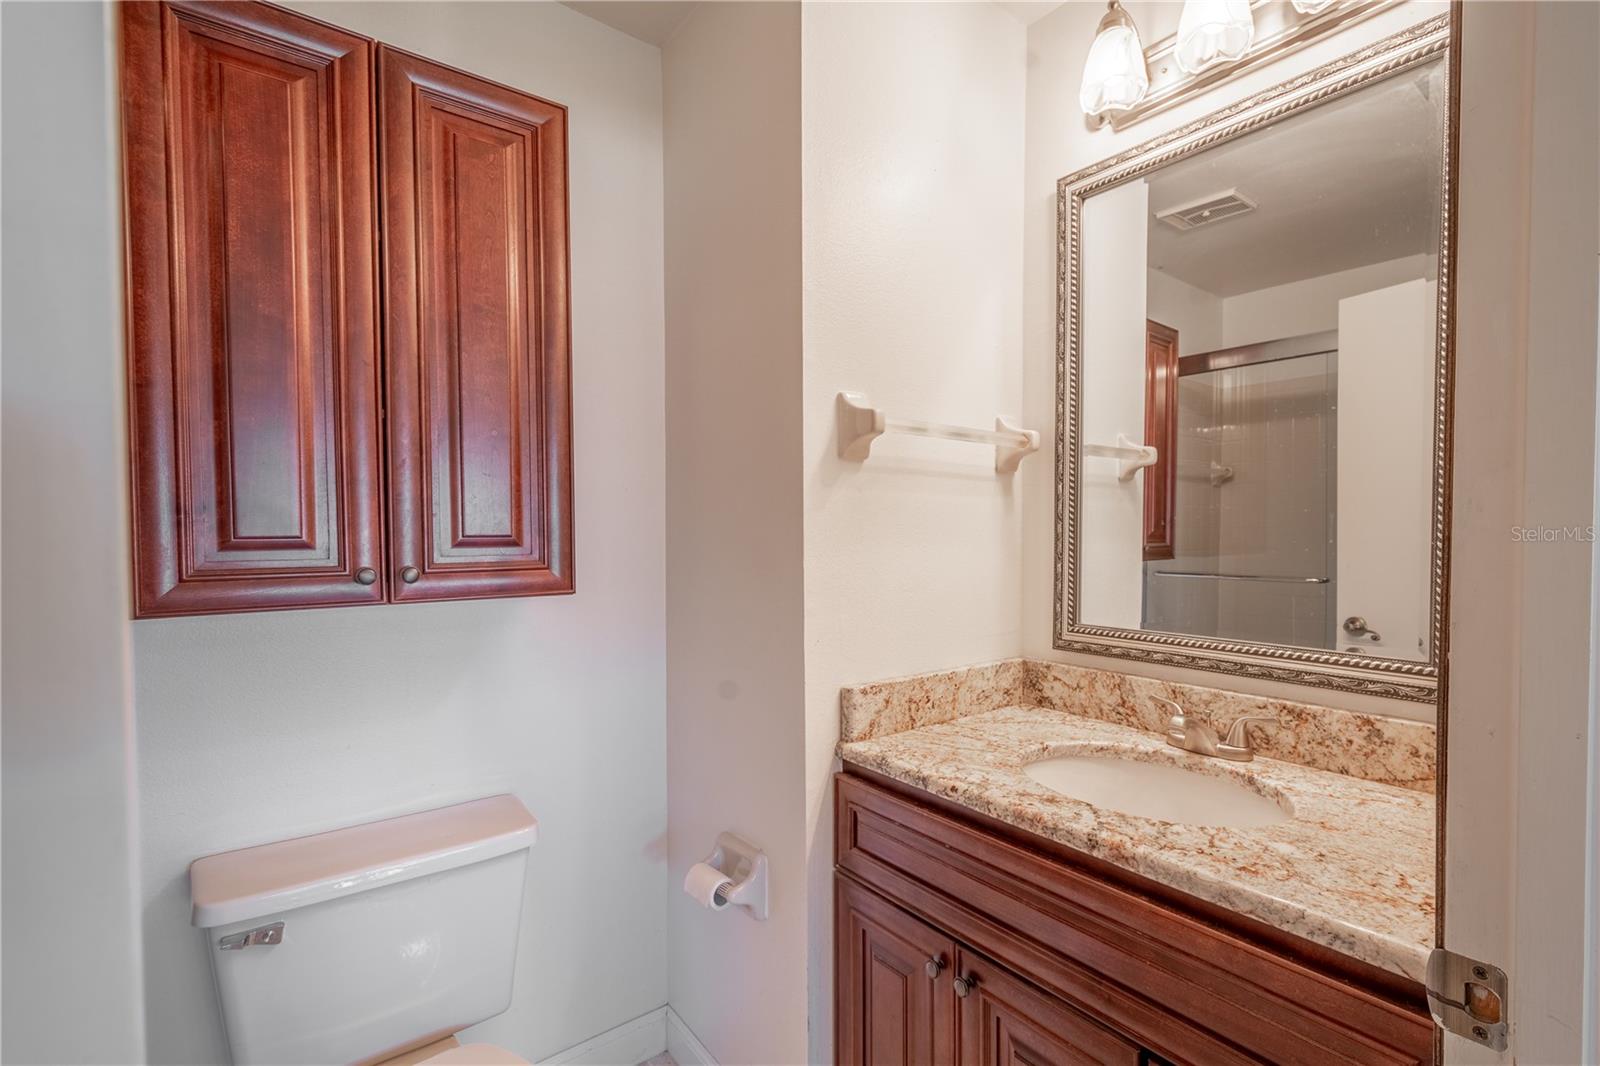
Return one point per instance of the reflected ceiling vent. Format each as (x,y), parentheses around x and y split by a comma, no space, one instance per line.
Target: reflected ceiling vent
(1205,211)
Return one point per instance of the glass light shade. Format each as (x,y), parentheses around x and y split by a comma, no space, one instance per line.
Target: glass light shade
(1311,7)
(1212,32)
(1114,76)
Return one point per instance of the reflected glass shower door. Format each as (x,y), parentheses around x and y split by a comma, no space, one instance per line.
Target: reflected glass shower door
(1253,528)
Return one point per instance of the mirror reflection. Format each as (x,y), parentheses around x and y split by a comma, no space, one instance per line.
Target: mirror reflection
(1258,382)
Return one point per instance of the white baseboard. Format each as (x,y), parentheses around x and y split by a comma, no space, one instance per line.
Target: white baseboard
(634,1042)
(630,1043)
(684,1047)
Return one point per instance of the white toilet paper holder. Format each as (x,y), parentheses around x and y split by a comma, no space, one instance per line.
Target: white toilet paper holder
(746,866)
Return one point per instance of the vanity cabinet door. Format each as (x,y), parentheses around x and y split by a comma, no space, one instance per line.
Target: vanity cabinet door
(1005,1021)
(474,180)
(895,1005)
(252,310)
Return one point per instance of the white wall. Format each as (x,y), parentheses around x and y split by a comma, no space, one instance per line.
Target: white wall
(1195,313)
(1059,142)
(1206,322)
(913,132)
(1114,376)
(1560,638)
(262,726)
(1312,304)
(736,725)
(71,946)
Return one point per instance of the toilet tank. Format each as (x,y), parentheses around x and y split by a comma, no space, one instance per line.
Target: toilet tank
(364,942)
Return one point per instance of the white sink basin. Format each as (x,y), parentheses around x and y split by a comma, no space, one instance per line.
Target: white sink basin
(1158,790)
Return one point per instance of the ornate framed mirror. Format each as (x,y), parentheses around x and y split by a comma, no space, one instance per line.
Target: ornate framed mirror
(1254,355)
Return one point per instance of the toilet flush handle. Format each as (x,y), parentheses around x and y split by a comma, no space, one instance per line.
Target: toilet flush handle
(266,934)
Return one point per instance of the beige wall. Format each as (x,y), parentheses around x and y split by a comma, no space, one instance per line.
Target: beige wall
(913,117)
(735,711)
(71,941)
(1522,637)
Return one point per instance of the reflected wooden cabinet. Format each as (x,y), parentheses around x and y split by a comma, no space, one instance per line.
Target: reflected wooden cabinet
(262,400)
(1161,433)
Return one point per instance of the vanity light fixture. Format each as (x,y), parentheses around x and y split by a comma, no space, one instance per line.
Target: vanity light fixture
(1115,77)
(1212,32)
(1216,40)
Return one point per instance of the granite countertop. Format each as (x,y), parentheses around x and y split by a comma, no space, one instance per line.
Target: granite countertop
(1352,870)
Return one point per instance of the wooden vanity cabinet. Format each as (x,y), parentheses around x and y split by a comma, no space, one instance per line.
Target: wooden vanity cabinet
(1053,960)
(899,1001)
(264,398)
(1007,1022)
(895,1003)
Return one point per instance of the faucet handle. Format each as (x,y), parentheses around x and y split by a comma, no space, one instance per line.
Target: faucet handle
(1237,737)
(1177,711)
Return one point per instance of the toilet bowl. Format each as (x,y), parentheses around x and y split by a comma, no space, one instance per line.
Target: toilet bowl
(373,944)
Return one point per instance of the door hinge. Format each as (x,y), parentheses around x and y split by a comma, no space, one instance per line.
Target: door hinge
(1469,998)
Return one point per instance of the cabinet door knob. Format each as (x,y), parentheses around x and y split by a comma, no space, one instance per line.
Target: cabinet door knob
(410,574)
(965,985)
(366,575)
(933,967)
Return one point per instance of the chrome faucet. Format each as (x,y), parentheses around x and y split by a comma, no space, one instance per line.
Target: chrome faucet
(1190,735)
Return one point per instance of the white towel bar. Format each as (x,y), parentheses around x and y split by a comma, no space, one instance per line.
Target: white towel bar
(860,424)
(1135,456)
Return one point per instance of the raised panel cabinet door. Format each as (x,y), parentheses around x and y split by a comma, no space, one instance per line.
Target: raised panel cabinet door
(894,1001)
(1160,432)
(249,204)
(474,180)
(1005,1021)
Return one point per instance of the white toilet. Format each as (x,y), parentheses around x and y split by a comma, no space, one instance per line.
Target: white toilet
(375,943)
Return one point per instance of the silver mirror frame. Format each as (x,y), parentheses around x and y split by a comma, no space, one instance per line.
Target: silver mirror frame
(1372,675)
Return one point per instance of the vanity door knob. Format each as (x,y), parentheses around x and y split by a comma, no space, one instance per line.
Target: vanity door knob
(410,575)
(965,985)
(366,575)
(933,967)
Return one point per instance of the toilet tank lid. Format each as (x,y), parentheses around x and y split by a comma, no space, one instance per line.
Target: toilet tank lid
(237,886)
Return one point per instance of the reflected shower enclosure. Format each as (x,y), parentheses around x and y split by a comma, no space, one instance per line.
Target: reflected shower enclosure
(1254,512)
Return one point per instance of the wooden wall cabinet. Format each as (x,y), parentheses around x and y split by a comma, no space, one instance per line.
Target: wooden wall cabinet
(274,427)
(475,275)
(252,310)
(961,941)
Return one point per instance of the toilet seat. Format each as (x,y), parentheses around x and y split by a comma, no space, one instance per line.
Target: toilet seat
(475,1055)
